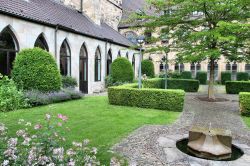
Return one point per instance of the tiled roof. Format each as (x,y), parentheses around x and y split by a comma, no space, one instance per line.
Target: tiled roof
(54,13)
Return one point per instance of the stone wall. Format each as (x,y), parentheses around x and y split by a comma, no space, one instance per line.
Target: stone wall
(109,11)
(27,33)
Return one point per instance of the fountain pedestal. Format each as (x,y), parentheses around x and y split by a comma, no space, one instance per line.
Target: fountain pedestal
(215,144)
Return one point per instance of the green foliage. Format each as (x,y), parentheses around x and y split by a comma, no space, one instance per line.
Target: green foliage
(127,95)
(109,81)
(186,75)
(11,98)
(122,70)
(235,87)
(242,76)
(68,82)
(226,76)
(36,69)
(176,75)
(245,103)
(188,85)
(147,67)
(202,77)
(223,25)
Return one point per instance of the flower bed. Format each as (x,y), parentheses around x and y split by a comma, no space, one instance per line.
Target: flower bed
(129,95)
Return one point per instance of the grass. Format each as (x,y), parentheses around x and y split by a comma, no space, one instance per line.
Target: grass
(93,118)
(247,121)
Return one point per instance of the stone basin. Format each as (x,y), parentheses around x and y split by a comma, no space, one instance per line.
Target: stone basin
(210,143)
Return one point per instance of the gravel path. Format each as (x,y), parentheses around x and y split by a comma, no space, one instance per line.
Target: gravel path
(155,145)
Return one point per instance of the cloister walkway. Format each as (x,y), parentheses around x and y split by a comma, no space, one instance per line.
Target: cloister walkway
(156,145)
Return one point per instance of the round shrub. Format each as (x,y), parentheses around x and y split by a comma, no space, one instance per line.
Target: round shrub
(36,69)
(202,77)
(242,76)
(186,75)
(226,76)
(68,82)
(122,70)
(147,67)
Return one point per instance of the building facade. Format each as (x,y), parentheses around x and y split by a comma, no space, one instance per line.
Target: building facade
(82,47)
(158,58)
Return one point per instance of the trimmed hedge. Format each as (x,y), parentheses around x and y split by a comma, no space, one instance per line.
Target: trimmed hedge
(128,95)
(225,76)
(235,87)
(202,77)
(245,103)
(186,75)
(242,76)
(122,70)
(147,67)
(36,69)
(187,85)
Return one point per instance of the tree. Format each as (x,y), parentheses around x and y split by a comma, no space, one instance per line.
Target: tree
(202,30)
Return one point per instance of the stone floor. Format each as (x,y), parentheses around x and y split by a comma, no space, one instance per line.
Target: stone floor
(156,145)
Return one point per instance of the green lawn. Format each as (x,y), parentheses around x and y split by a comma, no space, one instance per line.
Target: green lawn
(247,121)
(95,119)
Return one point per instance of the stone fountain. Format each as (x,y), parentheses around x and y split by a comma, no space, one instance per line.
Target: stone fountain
(210,143)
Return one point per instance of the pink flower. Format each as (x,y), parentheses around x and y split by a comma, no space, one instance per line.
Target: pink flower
(62,117)
(59,124)
(38,126)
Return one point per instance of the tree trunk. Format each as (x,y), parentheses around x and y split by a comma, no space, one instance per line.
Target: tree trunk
(211,81)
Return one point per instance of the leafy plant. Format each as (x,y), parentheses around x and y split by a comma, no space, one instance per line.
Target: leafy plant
(10,97)
(121,71)
(245,103)
(226,76)
(202,77)
(186,75)
(68,82)
(147,67)
(36,69)
(43,144)
(242,76)
(235,87)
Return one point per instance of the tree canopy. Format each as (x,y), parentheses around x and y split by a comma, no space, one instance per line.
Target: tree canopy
(201,30)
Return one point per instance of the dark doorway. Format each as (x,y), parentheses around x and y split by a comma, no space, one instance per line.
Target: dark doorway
(109,62)
(83,70)
(8,50)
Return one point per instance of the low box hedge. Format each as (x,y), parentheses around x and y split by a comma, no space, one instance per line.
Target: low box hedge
(188,85)
(186,75)
(226,76)
(242,76)
(245,103)
(129,95)
(235,87)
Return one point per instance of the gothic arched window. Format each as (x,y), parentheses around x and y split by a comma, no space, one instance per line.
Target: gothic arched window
(41,43)
(98,64)
(65,59)
(8,49)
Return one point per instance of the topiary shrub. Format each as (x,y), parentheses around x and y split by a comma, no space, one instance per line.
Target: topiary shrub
(235,87)
(176,75)
(122,70)
(147,67)
(242,76)
(188,85)
(225,76)
(129,95)
(68,82)
(11,98)
(36,69)
(186,75)
(202,77)
(245,103)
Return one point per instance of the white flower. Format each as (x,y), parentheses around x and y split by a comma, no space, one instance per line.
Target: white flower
(28,124)
(48,116)
(71,163)
(21,133)
(26,141)
(94,150)
(77,144)
(70,152)
(59,153)
(32,155)
(12,142)
(51,164)
(20,121)
(6,162)
(85,142)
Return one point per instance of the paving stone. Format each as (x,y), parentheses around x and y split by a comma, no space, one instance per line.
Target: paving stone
(155,144)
